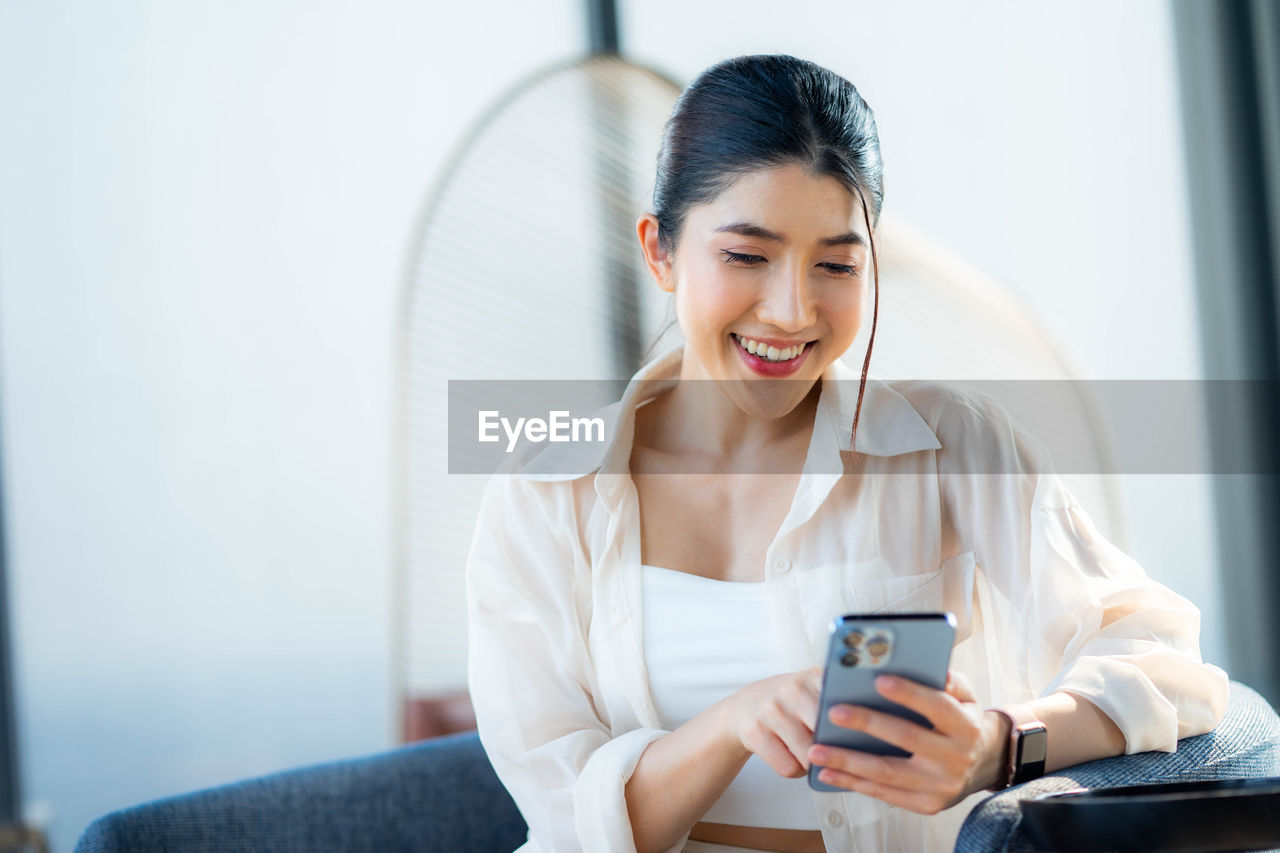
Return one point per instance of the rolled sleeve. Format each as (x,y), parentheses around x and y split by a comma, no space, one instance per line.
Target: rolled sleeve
(531,679)
(1128,644)
(1091,621)
(599,801)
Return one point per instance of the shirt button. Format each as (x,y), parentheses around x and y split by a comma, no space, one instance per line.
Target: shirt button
(834,819)
(782,565)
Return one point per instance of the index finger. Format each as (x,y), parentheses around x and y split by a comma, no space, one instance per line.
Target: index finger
(937,706)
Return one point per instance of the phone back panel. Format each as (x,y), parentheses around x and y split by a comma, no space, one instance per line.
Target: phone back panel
(862,646)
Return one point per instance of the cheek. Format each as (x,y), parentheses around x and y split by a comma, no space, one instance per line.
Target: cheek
(707,298)
(846,309)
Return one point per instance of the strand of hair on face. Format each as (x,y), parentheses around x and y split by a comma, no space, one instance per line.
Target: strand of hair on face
(875,313)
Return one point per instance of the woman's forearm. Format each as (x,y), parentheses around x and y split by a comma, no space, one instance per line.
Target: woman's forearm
(1077,731)
(680,776)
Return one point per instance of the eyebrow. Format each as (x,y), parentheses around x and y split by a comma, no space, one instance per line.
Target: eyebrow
(749,229)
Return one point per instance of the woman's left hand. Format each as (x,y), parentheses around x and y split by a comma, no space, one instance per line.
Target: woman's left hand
(963,753)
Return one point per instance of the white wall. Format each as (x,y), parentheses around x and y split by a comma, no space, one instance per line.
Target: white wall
(204,214)
(204,210)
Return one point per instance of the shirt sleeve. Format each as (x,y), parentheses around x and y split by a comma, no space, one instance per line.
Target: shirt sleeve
(531,679)
(1083,616)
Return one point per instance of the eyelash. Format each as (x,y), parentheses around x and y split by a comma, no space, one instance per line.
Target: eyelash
(751,260)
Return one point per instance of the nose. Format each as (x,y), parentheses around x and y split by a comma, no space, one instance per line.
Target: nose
(788,302)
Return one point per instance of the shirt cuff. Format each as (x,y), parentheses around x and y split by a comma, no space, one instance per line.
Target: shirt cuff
(1122,691)
(599,796)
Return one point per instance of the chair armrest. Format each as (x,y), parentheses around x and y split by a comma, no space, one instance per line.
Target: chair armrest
(434,795)
(1245,743)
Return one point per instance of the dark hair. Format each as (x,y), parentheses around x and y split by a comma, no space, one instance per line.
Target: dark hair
(760,111)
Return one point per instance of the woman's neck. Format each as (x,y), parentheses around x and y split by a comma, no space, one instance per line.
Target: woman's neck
(697,417)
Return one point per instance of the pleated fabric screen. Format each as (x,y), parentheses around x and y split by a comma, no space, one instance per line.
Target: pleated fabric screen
(526,266)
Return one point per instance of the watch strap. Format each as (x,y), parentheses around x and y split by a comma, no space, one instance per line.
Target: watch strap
(1027,747)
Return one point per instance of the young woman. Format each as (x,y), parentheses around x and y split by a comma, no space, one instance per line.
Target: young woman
(647,626)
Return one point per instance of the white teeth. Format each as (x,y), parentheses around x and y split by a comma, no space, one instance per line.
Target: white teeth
(767,352)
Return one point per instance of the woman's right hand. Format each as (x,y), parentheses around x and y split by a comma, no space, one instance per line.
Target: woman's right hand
(774,718)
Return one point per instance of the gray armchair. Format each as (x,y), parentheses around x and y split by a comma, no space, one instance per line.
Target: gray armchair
(442,795)
(1246,743)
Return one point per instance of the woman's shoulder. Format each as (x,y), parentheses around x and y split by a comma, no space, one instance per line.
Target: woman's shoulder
(521,495)
(951,404)
(516,490)
(976,430)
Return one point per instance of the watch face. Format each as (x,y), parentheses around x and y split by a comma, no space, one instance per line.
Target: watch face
(1033,746)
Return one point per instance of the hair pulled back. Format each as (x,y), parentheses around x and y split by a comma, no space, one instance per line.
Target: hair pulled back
(760,111)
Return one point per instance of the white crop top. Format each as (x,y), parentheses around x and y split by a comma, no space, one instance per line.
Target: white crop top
(705,639)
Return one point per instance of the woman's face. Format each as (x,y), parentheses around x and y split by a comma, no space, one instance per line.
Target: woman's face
(778,264)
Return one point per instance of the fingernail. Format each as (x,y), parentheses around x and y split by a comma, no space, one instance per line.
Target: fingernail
(818,755)
(886,682)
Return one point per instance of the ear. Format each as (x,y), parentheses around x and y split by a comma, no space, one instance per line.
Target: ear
(658,261)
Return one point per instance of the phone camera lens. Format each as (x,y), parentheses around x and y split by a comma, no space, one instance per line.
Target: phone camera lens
(878,647)
(850,659)
(853,639)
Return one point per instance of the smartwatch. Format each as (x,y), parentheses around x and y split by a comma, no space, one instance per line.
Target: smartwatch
(1028,746)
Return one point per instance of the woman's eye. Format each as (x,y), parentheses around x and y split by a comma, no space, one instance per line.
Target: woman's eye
(752,260)
(735,257)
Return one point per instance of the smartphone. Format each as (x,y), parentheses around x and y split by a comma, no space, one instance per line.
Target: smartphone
(913,645)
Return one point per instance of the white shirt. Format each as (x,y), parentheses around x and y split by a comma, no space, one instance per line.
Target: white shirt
(704,640)
(556,670)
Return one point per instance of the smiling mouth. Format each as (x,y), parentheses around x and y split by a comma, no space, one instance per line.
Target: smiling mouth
(768,353)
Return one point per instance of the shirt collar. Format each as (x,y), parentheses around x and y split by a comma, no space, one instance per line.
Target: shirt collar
(888,426)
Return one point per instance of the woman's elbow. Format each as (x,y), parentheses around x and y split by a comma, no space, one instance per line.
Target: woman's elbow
(1201,713)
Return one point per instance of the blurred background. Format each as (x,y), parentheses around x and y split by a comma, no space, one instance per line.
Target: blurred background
(213,224)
